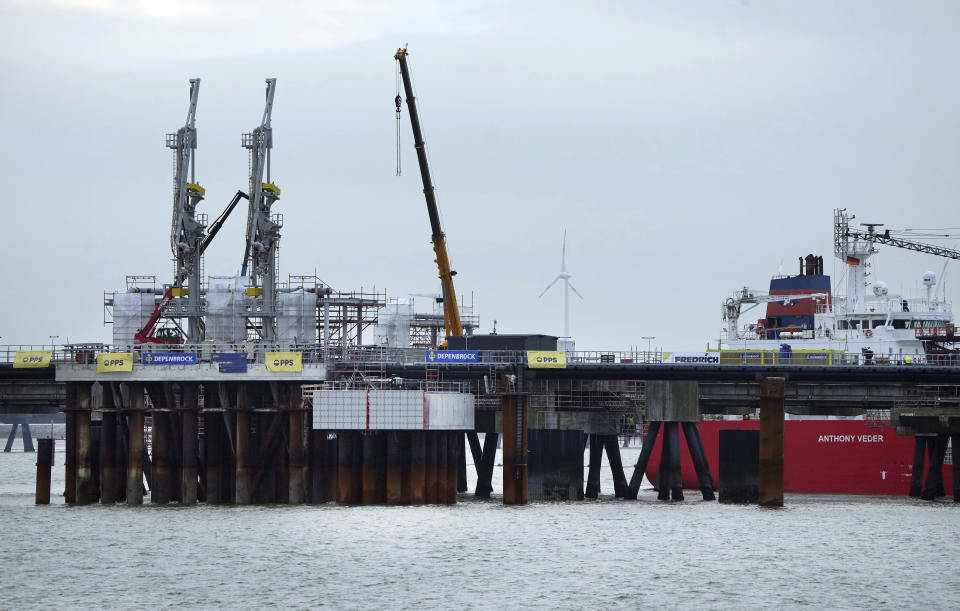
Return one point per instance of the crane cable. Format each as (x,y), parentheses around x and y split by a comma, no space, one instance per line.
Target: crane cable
(398,101)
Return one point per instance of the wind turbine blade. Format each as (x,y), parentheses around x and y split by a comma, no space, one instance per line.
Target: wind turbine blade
(548,286)
(563,255)
(571,287)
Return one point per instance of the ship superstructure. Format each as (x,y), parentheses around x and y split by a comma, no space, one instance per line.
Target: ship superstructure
(805,320)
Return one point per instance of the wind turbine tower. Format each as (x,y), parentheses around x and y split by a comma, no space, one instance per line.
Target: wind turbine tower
(565,276)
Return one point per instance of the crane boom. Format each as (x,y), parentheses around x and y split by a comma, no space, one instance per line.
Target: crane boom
(186,233)
(263,234)
(451,312)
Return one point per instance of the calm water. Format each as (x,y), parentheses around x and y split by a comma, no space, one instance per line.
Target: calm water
(819,551)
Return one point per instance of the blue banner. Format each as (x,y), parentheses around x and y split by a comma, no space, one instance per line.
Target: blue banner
(453,356)
(169,358)
(231,362)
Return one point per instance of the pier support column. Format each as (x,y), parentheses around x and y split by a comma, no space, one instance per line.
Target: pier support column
(916,470)
(674,479)
(109,475)
(190,443)
(663,472)
(593,474)
(770,466)
(430,468)
(418,471)
(213,472)
(485,468)
(461,461)
(135,447)
(695,446)
(955,443)
(638,471)
(319,469)
(85,483)
(369,469)
(297,479)
(515,450)
(243,470)
(933,485)
(70,445)
(44,467)
(610,442)
(161,492)
(394,469)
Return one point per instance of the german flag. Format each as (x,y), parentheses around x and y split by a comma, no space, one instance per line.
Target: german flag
(853,261)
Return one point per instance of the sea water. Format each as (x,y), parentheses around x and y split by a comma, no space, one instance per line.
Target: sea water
(817,551)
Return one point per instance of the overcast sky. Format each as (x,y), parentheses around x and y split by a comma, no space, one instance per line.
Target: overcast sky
(688,148)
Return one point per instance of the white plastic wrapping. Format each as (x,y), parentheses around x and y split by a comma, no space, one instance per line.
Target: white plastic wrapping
(393,324)
(297,317)
(227,309)
(131,311)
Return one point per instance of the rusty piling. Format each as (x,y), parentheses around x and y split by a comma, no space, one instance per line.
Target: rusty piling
(770,466)
(45,448)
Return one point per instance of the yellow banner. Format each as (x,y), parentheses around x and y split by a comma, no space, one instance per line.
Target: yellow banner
(32,358)
(114,361)
(285,361)
(543,359)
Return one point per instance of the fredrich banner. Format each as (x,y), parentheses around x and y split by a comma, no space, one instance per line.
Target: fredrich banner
(692,358)
(284,361)
(546,359)
(114,361)
(169,358)
(453,356)
(28,359)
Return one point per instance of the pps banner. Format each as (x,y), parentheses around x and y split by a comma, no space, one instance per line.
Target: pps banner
(285,361)
(546,359)
(27,359)
(114,361)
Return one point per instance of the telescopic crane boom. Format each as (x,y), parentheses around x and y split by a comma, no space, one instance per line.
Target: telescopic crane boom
(451,312)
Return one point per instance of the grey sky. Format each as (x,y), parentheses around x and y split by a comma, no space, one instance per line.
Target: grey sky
(688,148)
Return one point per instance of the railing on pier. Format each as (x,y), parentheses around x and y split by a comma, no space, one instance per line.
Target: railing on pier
(372,355)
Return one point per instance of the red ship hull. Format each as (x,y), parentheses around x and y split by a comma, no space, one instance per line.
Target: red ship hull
(820,456)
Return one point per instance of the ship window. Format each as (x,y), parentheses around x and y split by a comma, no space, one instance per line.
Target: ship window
(842,324)
(877,323)
(899,323)
(865,323)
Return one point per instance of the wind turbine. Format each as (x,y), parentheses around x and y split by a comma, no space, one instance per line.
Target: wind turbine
(565,276)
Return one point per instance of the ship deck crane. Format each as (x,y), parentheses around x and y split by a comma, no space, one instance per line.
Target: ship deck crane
(451,312)
(856,247)
(263,232)
(731,310)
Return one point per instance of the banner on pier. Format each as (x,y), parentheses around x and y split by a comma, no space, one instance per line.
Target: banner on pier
(453,356)
(285,361)
(231,362)
(170,358)
(546,359)
(692,358)
(108,362)
(26,359)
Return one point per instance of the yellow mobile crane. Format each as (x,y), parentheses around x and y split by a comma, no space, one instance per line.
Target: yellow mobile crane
(451,313)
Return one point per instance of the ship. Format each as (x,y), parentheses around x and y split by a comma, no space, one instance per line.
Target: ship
(805,323)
